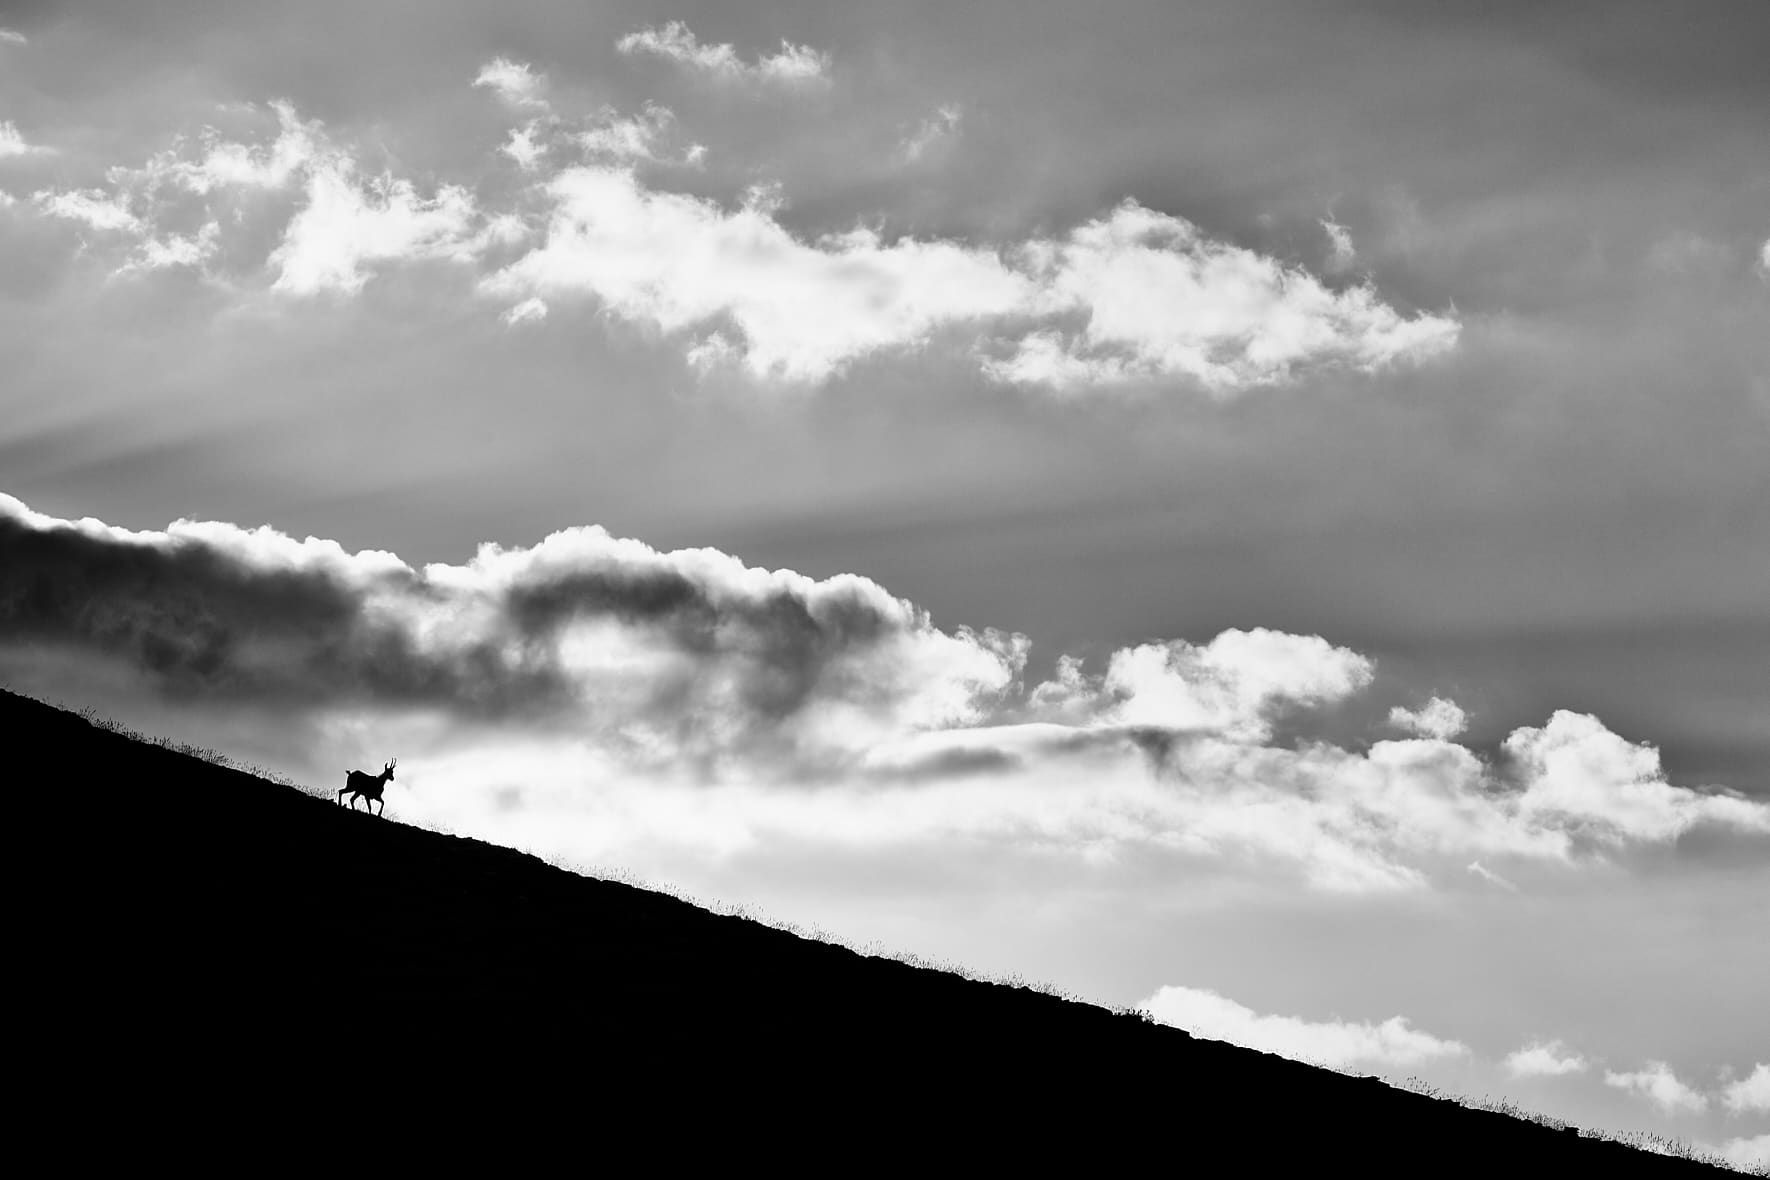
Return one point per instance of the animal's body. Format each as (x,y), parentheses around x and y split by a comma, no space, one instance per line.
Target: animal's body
(367,787)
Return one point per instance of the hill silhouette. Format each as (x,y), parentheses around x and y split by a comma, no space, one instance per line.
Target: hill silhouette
(319,968)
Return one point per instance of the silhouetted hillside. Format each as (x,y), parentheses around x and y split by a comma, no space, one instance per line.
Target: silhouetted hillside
(324,967)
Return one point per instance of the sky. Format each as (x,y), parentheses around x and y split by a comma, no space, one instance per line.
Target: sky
(1256,510)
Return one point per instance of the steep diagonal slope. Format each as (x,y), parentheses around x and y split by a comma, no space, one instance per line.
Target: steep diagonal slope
(184,915)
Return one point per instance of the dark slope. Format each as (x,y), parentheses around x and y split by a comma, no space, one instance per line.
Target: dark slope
(187,921)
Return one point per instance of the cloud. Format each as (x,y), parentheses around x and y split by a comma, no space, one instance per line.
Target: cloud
(12,142)
(1342,254)
(350,222)
(794,65)
(1749,1093)
(1747,1153)
(1661,1086)
(1580,777)
(690,653)
(617,138)
(805,309)
(528,311)
(1491,877)
(1229,686)
(1437,718)
(1764,257)
(1153,298)
(1544,1059)
(613,658)
(1331,1043)
(190,250)
(92,207)
(936,131)
(515,82)
(225,164)
(8,36)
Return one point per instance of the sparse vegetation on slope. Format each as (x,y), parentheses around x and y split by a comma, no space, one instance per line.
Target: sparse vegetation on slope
(288,949)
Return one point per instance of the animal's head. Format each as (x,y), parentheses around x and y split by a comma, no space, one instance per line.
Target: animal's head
(387,770)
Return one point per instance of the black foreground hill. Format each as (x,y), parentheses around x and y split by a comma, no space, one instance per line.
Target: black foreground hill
(205,951)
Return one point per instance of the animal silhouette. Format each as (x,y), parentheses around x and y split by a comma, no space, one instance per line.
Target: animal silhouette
(367,787)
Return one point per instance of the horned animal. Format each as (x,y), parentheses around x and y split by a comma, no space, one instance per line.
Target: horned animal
(367,787)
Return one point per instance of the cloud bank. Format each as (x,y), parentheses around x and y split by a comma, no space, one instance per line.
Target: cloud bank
(828,709)
(1332,1043)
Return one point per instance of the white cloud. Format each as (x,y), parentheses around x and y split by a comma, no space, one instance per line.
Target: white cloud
(528,311)
(1583,778)
(1437,718)
(681,672)
(1661,1086)
(525,146)
(1749,1093)
(794,65)
(1158,299)
(231,164)
(1545,1059)
(1341,253)
(1491,877)
(936,131)
(618,138)
(348,223)
(1747,1153)
(94,207)
(1764,257)
(193,250)
(12,142)
(8,36)
(1333,1043)
(805,309)
(1228,686)
(515,82)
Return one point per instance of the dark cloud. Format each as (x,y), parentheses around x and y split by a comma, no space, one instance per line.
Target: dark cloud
(728,658)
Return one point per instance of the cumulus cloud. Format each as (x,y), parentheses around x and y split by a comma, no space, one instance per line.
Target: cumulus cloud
(804,309)
(688,651)
(350,222)
(1747,1152)
(1764,257)
(939,129)
(1157,299)
(794,65)
(12,142)
(8,36)
(1437,718)
(1583,778)
(615,137)
(345,222)
(1331,1043)
(1228,686)
(1544,1059)
(1750,1093)
(691,663)
(1661,1086)
(515,82)
(1152,297)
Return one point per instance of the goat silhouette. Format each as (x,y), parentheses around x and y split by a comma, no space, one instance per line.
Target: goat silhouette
(367,787)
